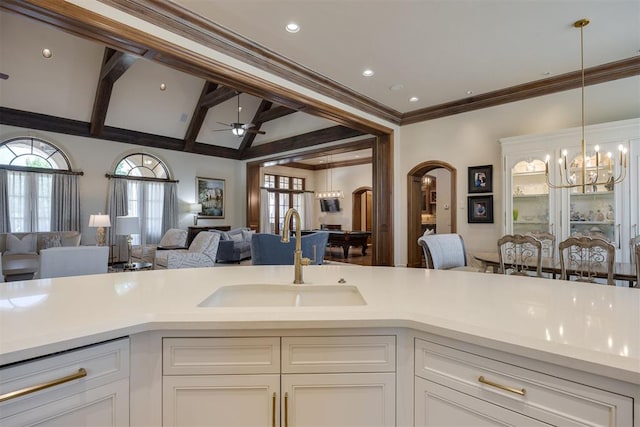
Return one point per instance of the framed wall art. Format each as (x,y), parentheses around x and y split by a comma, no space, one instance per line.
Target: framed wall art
(481,179)
(210,194)
(479,209)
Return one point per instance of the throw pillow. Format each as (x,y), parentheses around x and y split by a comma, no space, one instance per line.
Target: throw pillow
(71,240)
(50,241)
(246,235)
(224,235)
(26,245)
(236,237)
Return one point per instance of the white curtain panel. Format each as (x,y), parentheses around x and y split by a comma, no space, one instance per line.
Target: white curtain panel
(65,203)
(307,221)
(170,207)
(31,196)
(264,211)
(117,206)
(5,225)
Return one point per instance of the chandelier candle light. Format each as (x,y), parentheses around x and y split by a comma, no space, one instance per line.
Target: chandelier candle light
(568,179)
(331,193)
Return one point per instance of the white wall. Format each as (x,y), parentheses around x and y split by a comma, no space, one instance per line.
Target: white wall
(97,157)
(346,179)
(471,139)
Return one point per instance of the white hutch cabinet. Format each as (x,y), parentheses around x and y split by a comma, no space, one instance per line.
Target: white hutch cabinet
(531,206)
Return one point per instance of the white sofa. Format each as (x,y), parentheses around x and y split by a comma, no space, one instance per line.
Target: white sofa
(73,261)
(21,259)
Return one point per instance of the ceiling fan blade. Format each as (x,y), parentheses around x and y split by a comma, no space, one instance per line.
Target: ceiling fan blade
(4,76)
(220,130)
(261,132)
(248,125)
(225,124)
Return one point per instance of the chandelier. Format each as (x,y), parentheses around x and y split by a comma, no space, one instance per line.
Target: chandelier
(330,193)
(603,172)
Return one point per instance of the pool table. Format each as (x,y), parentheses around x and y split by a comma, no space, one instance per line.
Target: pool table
(346,239)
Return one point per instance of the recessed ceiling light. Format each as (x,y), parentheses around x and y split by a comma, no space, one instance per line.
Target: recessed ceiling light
(414,99)
(47,53)
(292,27)
(398,86)
(469,92)
(367,73)
(163,86)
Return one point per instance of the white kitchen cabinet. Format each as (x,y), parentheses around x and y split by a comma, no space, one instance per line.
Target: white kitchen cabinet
(336,381)
(84,387)
(459,384)
(531,206)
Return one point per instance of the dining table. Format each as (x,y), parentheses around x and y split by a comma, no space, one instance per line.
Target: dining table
(623,271)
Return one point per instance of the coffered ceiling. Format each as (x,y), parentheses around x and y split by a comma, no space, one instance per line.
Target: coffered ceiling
(453,56)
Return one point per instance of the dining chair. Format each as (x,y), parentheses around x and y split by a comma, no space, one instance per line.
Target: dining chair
(585,258)
(637,257)
(633,244)
(520,255)
(548,241)
(445,252)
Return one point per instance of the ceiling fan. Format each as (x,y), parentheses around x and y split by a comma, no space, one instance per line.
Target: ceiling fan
(238,128)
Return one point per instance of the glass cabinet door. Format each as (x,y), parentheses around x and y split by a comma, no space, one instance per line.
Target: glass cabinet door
(530,198)
(592,213)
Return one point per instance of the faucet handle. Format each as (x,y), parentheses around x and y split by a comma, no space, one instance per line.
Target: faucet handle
(307,261)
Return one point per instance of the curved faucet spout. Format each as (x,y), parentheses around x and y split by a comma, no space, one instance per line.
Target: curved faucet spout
(298,261)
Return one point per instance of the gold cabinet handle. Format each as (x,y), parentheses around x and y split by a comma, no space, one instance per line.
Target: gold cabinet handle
(28,390)
(286,410)
(521,391)
(273,411)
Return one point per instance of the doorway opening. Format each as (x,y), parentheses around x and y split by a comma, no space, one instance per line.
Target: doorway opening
(431,204)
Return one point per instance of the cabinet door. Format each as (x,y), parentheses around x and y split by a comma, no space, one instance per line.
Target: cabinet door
(105,406)
(530,198)
(436,405)
(339,400)
(220,400)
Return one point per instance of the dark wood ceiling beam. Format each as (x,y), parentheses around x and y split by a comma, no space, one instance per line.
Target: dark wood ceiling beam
(595,75)
(332,165)
(274,113)
(249,137)
(309,139)
(360,144)
(198,116)
(114,65)
(48,123)
(217,97)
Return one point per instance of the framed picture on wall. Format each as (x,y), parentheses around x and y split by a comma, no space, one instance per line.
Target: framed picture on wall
(479,209)
(433,197)
(481,179)
(210,193)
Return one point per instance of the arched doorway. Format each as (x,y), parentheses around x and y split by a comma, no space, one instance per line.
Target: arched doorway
(361,217)
(415,203)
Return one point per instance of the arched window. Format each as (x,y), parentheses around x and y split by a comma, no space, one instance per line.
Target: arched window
(142,166)
(41,188)
(150,193)
(32,153)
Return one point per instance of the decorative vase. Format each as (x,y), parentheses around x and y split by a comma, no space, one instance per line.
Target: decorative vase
(515,214)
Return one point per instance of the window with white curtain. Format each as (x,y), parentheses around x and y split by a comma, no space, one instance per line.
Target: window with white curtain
(284,192)
(145,198)
(29,192)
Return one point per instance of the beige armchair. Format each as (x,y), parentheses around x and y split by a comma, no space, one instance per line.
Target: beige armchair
(147,253)
(201,253)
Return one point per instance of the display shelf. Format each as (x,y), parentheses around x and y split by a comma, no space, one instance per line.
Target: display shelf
(531,196)
(592,222)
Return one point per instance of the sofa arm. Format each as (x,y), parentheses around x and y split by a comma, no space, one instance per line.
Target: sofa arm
(225,251)
(189,260)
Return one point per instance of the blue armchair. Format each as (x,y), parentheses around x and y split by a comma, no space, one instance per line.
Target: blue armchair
(267,249)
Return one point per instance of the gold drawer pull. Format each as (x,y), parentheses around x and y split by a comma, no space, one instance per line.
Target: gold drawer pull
(286,410)
(28,390)
(521,391)
(273,413)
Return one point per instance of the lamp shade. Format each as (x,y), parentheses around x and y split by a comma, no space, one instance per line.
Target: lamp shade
(127,225)
(195,207)
(99,220)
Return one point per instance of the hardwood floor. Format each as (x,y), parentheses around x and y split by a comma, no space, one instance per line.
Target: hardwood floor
(355,255)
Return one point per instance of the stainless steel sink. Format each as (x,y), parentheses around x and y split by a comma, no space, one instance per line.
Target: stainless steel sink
(267,295)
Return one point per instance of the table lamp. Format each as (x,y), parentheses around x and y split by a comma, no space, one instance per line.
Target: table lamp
(195,209)
(126,226)
(100,221)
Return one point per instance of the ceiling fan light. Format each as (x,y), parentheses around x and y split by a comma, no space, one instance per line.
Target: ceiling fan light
(238,131)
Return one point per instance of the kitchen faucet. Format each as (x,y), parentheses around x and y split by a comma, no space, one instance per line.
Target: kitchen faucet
(298,260)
